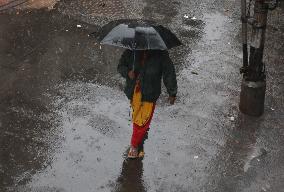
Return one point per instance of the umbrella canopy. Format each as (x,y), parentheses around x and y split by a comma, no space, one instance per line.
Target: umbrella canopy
(137,35)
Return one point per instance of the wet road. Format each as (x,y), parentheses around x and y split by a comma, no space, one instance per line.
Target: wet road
(65,121)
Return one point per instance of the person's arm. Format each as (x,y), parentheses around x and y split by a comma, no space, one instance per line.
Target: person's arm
(169,76)
(123,65)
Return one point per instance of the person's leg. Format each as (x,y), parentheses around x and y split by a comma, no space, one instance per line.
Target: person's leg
(139,135)
(137,140)
(141,145)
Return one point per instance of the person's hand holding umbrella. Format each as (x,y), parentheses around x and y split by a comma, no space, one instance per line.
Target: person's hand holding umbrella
(131,74)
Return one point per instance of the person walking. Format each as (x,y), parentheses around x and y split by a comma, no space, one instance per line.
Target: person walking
(144,73)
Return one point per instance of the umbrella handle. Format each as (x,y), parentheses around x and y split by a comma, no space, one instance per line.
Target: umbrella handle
(134,57)
(134,54)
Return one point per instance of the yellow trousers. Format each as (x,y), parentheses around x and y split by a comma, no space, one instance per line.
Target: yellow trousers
(141,111)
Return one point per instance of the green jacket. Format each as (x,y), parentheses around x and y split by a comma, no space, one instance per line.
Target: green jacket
(157,65)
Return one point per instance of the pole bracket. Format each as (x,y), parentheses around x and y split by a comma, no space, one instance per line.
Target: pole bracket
(253,22)
(244,70)
(272,4)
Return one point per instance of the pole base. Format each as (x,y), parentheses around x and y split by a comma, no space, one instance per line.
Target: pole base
(252,97)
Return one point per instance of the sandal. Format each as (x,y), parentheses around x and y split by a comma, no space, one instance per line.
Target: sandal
(141,154)
(133,153)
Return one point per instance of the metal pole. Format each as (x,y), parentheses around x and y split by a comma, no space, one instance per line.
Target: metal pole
(244,36)
(254,84)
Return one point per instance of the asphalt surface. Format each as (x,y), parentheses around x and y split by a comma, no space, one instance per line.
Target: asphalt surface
(64,119)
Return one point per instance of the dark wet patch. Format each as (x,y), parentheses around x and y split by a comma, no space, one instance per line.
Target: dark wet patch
(25,141)
(194,22)
(193,29)
(176,3)
(153,10)
(103,125)
(93,10)
(37,52)
(190,34)
(80,111)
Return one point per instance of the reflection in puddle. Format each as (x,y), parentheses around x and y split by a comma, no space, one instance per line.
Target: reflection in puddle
(255,154)
(130,178)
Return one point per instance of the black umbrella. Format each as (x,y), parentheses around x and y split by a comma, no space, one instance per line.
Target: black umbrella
(137,35)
